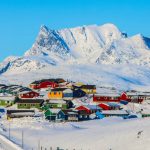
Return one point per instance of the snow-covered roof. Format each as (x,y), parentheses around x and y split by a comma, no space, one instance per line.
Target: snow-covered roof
(114,112)
(113,104)
(23,114)
(67,91)
(55,111)
(107,94)
(7,98)
(57,101)
(93,107)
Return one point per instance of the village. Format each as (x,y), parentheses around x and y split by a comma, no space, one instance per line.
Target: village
(59,100)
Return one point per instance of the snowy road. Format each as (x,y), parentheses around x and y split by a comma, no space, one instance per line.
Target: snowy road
(5,144)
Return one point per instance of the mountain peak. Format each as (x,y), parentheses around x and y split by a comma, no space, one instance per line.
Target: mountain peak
(44,28)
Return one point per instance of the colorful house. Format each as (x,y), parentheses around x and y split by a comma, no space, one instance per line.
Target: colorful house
(106,98)
(89,108)
(47,83)
(54,114)
(68,94)
(58,104)
(88,89)
(7,100)
(78,93)
(71,115)
(28,94)
(135,97)
(56,93)
(29,103)
(117,113)
(83,115)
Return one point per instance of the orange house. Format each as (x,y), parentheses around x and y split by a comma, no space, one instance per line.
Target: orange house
(56,93)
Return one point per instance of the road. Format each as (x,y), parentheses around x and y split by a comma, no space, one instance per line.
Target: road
(5,144)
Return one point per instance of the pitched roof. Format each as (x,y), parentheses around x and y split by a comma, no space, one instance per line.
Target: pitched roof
(114,112)
(54,110)
(68,111)
(31,101)
(19,110)
(7,98)
(93,107)
(59,89)
(107,94)
(57,102)
(57,80)
(88,86)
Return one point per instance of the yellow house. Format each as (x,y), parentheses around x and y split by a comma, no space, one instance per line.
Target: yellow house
(88,89)
(56,93)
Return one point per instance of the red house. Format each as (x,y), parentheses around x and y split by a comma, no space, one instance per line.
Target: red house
(99,98)
(46,83)
(28,94)
(106,98)
(89,108)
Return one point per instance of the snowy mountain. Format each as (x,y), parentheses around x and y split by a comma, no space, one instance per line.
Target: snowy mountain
(93,46)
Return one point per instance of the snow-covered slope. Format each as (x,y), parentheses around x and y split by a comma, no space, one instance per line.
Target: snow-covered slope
(87,45)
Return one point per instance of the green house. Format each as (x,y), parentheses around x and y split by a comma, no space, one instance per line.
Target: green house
(54,114)
(29,103)
(57,104)
(7,100)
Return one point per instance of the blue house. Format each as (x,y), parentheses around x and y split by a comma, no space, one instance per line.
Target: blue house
(68,94)
(54,114)
(78,93)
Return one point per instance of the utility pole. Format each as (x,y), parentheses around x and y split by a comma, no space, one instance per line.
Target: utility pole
(9,130)
(22,139)
(39,145)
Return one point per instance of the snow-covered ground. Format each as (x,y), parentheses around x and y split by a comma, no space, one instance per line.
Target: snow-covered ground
(110,133)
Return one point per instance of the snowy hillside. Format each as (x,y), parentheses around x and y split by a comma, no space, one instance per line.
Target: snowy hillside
(92,46)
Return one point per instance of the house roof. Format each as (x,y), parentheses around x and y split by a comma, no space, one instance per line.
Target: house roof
(57,80)
(68,111)
(93,107)
(68,91)
(35,101)
(114,112)
(107,94)
(19,110)
(7,98)
(88,86)
(58,89)
(57,102)
(113,104)
(54,110)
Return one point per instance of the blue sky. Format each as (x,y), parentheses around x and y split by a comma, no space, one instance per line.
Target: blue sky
(20,20)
